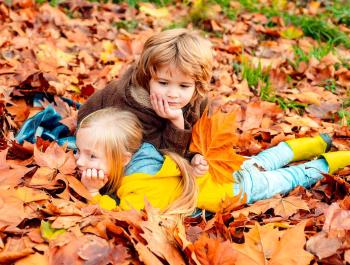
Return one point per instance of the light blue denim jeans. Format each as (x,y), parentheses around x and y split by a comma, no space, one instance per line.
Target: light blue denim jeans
(263,175)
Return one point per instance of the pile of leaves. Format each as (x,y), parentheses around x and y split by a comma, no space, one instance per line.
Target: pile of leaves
(279,79)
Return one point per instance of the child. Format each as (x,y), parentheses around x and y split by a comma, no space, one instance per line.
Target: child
(111,153)
(166,89)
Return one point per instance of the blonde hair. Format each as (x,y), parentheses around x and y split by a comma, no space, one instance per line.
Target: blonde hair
(185,49)
(119,133)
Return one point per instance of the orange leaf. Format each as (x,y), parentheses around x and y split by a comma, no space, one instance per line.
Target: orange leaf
(214,138)
(55,157)
(267,245)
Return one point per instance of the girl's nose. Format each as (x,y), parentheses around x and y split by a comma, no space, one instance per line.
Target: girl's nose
(80,161)
(172,93)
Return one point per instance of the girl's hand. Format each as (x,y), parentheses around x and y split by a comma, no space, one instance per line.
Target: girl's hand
(199,165)
(162,108)
(93,180)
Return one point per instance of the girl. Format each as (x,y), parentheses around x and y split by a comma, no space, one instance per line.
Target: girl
(166,89)
(111,154)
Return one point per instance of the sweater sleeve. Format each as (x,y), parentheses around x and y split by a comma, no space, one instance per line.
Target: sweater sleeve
(175,138)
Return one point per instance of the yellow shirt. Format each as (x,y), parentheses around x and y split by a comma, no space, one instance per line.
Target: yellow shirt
(165,186)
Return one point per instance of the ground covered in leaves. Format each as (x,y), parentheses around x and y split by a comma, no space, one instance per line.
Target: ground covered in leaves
(283,68)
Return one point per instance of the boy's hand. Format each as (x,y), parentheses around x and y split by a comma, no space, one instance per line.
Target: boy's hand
(200,165)
(162,108)
(93,180)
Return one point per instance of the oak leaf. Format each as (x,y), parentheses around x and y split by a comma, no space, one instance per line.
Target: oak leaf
(284,207)
(214,137)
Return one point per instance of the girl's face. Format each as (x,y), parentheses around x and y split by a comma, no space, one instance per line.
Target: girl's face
(89,156)
(173,85)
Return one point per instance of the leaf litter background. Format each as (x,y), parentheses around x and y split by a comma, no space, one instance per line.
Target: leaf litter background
(77,47)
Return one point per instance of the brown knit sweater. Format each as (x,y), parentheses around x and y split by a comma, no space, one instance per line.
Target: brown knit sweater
(156,130)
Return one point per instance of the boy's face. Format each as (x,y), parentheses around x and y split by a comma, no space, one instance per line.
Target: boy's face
(89,157)
(173,85)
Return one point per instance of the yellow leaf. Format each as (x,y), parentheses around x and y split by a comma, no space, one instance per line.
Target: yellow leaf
(214,138)
(48,52)
(292,33)
(48,232)
(149,9)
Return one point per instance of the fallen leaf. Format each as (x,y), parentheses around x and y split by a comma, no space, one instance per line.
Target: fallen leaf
(48,232)
(214,138)
(34,259)
(55,157)
(284,207)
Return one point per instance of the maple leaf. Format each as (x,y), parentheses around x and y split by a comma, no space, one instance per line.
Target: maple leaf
(284,207)
(292,239)
(56,158)
(214,138)
(266,245)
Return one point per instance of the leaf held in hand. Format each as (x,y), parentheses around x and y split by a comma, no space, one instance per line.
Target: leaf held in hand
(214,137)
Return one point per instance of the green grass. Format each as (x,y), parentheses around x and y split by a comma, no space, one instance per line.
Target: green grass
(256,76)
(318,52)
(339,11)
(253,75)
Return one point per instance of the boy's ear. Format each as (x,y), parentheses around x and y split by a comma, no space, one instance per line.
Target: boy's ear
(127,158)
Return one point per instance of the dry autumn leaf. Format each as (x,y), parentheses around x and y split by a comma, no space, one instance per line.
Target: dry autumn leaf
(284,207)
(214,137)
(266,245)
(55,157)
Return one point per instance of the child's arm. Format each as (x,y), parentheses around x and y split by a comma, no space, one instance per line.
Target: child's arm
(162,108)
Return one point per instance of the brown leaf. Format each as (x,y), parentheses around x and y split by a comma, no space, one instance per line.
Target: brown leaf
(284,207)
(323,246)
(154,232)
(55,157)
(15,249)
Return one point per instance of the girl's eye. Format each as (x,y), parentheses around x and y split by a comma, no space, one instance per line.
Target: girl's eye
(163,83)
(185,86)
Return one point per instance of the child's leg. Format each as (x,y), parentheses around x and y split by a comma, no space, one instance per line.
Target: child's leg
(260,185)
(272,158)
(292,150)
